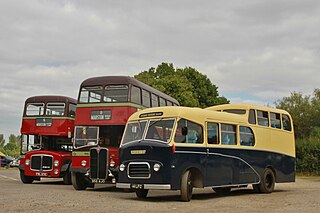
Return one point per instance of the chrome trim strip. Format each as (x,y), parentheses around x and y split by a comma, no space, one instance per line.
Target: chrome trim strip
(41,156)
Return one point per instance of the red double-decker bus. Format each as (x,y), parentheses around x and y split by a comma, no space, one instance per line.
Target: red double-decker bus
(103,108)
(46,145)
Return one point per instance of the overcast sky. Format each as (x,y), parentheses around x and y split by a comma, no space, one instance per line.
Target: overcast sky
(254,51)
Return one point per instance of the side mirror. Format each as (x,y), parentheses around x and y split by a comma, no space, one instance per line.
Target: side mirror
(184,130)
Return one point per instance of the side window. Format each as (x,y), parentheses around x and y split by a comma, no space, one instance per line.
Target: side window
(228,134)
(162,102)
(263,119)
(252,116)
(146,98)
(188,132)
(246,136)
(275,120)
(72,110)
(35,109)
(154,100)
(213,133)
(286,122)
(135,95)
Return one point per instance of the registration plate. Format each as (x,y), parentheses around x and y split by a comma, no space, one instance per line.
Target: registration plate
(98,181)
(42,174)
(136,186)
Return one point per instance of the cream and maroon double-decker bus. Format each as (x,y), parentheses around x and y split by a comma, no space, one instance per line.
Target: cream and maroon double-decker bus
(104,106)
(46,145)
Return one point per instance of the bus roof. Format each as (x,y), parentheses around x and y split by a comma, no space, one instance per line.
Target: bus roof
(246,107)
(193,114)
(111,80)
(50,98)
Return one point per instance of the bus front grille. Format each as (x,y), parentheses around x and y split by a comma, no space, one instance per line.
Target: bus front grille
(139,170)
(41,162)
(98,163)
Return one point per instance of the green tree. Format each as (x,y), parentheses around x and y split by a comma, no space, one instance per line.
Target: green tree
(305,111)
(188,86)
(2,140)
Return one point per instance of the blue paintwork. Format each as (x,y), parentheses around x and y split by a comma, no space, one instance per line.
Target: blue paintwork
(218,166)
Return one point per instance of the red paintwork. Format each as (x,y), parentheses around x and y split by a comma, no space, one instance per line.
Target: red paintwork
(113,155)
(57,155)
(120,115)
(59,127)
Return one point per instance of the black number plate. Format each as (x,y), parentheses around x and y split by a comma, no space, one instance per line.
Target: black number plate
(136,186)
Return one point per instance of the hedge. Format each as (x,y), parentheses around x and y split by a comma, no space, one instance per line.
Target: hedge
(308,156)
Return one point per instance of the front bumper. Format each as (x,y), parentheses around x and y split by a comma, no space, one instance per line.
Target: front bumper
(145,186)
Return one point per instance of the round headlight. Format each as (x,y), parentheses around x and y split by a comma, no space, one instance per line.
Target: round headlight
(56,163)
(122,167)
(27,162)
(112,163)
(156,167)
(56,171)
(83,163)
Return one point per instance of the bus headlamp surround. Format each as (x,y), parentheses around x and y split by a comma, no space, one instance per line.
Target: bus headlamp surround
(122,167)
(83,163)
(27,162)
(156,167)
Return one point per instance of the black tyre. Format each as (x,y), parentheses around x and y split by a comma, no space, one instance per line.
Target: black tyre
(78,181)
(25,179)
(142,193)
(67,178)
(222,190)
(186,187)
(267,181)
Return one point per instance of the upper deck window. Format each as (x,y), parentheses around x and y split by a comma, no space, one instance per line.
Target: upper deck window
(275,120)
(90,94)
(263,118)
(72,110)
(35,109)
(55,109)
(135,95)
(146,98)
(154,100)
(286,122)
(116,93)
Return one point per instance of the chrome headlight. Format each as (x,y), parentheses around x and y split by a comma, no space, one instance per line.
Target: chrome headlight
(56,163)
(112,163)
(83,163)
(156,167)
(56,171)
(122,167)
(27,162)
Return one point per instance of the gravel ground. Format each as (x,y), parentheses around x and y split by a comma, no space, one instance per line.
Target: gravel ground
(50,195)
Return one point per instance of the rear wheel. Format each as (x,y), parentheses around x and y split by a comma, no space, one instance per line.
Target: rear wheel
(222,190)
(24,178)
(78,181)
(186,187)
(267,181)
(67,178)
(142,193)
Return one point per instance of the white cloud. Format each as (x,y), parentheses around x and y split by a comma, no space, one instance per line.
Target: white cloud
(254,51)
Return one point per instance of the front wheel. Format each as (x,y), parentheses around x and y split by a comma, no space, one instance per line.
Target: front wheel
(67,178)
(186,187)
(78,181)
(267,181)
(142,193)
(24,178)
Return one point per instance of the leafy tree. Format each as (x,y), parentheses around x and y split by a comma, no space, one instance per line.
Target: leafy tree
(2,140)
(305,112)
(188,86)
